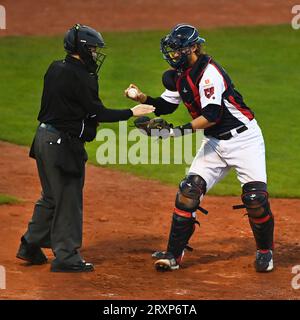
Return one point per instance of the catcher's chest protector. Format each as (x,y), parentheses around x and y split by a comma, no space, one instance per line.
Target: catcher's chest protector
(188,86)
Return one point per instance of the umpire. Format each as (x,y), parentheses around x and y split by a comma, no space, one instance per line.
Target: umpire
(70,113)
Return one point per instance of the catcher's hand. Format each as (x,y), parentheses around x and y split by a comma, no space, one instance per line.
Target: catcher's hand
(141,97)
(156,127)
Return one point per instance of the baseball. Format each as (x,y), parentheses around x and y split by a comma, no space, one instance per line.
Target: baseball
(132,93)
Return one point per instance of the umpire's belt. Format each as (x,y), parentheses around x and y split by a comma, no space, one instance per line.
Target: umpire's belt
(49,127)
(228,135)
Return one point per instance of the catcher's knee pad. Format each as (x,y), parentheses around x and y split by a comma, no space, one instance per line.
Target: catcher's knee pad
(256,201)
(191,188)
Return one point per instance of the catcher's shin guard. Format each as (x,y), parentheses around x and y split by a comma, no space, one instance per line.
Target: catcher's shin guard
(182,228)
(184,216)
(263,231)
(261,219)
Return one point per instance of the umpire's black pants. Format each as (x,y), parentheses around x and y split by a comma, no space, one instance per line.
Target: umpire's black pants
(57,218)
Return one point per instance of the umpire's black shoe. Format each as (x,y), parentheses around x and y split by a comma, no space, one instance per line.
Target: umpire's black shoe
(82,266)
(31,253)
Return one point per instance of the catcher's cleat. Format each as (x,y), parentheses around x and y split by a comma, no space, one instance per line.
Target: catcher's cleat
(162,254)
(264,261)
(31,253)
(167,262)
(159,254)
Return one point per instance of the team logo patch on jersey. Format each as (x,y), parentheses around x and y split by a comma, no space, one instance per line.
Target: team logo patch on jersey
(206,81)
(209,92)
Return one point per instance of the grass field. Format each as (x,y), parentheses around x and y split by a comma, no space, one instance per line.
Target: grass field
(262,61)
(5,199)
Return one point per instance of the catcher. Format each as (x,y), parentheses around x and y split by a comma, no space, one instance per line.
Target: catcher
(232,139)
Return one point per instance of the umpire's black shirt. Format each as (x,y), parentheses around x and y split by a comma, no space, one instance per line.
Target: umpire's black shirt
(70,100)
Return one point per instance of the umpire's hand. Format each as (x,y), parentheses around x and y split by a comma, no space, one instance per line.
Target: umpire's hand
(142,109)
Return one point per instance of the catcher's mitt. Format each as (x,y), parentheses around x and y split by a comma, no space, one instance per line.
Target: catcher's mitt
(156,127)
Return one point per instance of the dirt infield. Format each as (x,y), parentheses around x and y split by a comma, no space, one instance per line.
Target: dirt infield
(43,17)
(121,229)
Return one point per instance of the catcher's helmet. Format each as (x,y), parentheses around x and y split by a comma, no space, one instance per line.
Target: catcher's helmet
(182,36)
(85,42)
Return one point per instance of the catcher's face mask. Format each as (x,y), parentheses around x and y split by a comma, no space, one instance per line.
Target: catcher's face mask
(178,58)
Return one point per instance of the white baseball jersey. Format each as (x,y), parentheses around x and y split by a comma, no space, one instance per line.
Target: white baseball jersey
(207,90)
